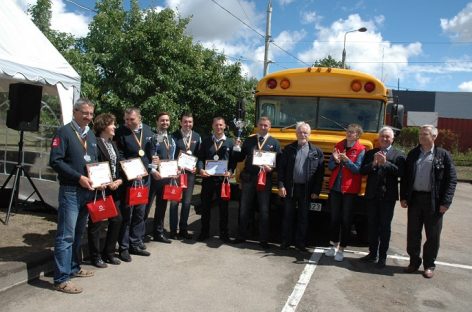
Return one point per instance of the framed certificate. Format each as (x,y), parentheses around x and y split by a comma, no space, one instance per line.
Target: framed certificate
(133,168)
(99,173)
(216,167)
(261,158)
(187,161)
(168,168)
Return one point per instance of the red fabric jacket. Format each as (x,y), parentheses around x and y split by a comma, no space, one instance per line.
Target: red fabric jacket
(350,183)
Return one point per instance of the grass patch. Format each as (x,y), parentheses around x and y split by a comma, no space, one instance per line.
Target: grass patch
(464,173)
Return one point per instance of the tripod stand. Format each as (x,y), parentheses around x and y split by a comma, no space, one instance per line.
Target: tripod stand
(16,182)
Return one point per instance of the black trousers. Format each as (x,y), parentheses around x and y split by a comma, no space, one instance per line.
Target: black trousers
(380,214)
(341,216)
(246,210)
(94,231)
(421,213)
(212,186)
(298,200)
(156,192)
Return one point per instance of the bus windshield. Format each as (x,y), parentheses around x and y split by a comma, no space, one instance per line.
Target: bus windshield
(321,112)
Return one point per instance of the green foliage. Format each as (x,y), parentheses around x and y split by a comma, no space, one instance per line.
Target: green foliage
(408,137)
(463,158)
(329,61)
(447,139)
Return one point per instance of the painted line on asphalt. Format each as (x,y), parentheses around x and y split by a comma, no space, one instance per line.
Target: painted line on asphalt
(405,258)
(303,280)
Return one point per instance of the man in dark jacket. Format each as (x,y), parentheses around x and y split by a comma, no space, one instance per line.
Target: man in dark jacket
(72,148)
(134,139)
(300,177)
(261,142)
(383,166)
(427,189)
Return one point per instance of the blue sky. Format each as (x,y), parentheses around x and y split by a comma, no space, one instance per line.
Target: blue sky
(419,44)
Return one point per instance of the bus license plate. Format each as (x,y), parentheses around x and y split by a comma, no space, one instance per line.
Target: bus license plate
(315,206)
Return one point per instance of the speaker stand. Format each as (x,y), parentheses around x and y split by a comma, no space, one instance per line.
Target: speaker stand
(17,171)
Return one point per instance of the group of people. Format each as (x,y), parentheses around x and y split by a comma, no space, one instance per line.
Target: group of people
(427,186)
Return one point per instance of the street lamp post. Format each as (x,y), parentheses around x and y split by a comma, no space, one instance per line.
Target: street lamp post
(343,62)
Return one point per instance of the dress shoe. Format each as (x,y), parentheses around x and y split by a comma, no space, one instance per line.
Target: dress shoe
(381,263)
(111,259)
(162,239)
(369,258)
(185,235)
(225,239)
(239,241)
(124,256)
(99,263)
(173,235)
(284,246)
(139,252)
(264,245)
(410,269)
(301,248)
(203,237)
(428,273)
(142,246)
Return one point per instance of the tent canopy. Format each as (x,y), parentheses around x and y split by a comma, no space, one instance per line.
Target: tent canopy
(27,56)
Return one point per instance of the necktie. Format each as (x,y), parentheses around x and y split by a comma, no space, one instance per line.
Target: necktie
(261,140)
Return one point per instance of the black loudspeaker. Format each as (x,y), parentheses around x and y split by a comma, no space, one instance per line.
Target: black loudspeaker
(25,107)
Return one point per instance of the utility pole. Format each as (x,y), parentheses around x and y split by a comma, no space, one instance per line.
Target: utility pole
(267,37)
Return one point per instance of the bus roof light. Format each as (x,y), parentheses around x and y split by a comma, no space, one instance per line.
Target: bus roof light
(271,83)
(356,85)
(285,83)
(369,86)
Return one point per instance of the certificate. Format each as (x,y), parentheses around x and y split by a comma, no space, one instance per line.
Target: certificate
(99,173)
(133,168)
(216,167)
(168,168)
(186,161)
(261,158)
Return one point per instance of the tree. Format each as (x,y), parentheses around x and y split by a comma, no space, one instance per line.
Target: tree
(329,61)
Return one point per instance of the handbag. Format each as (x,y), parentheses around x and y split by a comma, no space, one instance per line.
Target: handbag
(172,191)
(103,208)
(137,194)
(225,189)
(183,179)
(261,180)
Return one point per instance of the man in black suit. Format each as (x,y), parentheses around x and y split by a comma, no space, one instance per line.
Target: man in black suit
(262,141)
(383,166)
(217,147)
(426,189)
(134,139)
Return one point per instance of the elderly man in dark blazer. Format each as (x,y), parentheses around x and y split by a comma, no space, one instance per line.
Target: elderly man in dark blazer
(427,189)
(383,166)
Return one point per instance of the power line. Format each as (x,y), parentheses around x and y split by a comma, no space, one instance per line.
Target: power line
(81,6)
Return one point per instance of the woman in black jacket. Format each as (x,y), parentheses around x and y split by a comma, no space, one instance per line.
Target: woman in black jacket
(104,128)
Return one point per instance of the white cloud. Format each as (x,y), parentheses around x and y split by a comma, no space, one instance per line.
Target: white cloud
(309,17)
(285,2)
(366,51)
(460,26)
(466,86)
(69,22)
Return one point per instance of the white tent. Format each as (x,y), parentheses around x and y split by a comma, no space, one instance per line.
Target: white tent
(26,55)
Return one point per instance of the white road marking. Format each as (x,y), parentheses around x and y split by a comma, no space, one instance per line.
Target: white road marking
(303,280)
(299,289)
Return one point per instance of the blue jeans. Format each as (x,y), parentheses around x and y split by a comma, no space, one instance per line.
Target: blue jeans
(71,221)
(185,210)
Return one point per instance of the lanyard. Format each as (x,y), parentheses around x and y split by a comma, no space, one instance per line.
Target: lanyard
(82,141)
(188,142)
(136,138)
(261,145)
(217,147)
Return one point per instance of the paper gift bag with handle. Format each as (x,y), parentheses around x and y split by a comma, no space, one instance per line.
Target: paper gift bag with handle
(103,208)
(225,189)
(138,194)
(172,191)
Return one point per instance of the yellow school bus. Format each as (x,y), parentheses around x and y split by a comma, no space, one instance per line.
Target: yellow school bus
(328,99)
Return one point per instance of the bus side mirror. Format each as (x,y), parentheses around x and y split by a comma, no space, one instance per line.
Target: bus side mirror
(396,112)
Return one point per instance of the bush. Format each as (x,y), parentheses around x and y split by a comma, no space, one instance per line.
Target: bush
(448,139)
(408,138)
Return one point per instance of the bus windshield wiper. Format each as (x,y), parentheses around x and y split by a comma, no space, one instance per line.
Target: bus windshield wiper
(335,122)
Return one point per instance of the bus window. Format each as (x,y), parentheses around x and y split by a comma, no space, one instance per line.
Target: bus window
(268,110)
(336,114)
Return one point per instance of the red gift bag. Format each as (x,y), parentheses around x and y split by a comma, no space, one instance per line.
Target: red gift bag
(183,179)
(138,194)
(225,189)
(102,209)
(261,180)
(172,191)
